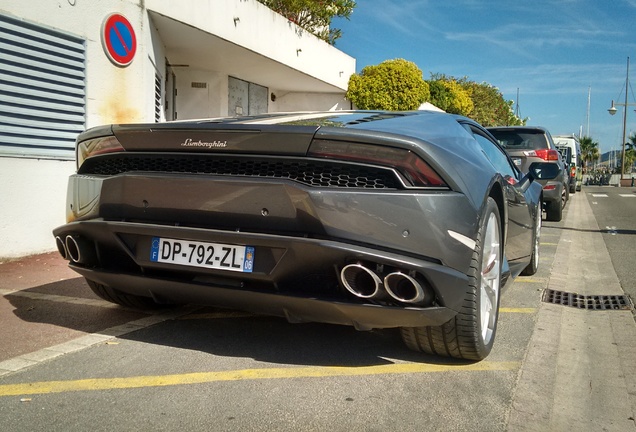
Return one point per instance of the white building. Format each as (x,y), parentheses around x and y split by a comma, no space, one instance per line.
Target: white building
(67,65)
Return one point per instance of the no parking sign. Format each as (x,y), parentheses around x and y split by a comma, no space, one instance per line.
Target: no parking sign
(119,40)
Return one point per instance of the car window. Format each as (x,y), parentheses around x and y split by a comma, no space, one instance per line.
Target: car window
(521,139)
(496,155)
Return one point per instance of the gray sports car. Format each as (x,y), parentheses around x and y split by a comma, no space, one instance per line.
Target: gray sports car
(372,219)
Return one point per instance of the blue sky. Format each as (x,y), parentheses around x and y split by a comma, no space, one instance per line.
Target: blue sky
(552,51)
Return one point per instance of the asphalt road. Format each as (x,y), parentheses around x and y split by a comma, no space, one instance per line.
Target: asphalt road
(73,362)
(615,211)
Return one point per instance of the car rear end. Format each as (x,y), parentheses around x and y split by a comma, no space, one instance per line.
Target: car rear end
(526,145)
(570,147)
(291,221)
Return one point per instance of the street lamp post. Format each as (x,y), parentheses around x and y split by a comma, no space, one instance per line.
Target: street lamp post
(612,110)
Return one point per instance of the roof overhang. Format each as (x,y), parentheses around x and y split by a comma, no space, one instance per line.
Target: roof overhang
(188,46)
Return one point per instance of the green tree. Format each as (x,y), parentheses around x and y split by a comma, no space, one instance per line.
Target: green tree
(395,85)
(489,106)
(449,95)
(314,15)
(589,150)
(630,153)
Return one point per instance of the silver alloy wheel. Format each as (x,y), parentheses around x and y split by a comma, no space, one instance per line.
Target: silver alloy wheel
(490,278)
(564,197)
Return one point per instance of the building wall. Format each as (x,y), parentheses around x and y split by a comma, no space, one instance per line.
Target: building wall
(33,191)
(296,101)
(200,102)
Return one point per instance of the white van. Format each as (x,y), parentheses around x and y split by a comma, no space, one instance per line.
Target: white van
(570,148)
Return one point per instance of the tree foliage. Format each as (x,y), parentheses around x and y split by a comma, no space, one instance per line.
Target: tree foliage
(589,150)
(395,85)
(489,106)
(314,15)
(630,153)
(449,95)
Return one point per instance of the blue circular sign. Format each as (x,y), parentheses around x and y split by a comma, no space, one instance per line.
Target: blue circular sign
(119,40)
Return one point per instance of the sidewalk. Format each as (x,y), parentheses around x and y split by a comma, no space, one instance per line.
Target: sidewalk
(580,367)
(28,288)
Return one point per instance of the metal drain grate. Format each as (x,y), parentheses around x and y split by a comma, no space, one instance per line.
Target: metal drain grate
(591,302)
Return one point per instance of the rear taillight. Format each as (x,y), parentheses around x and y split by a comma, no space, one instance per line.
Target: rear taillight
(97,146)
(411,166)
(573,172)
(545,154)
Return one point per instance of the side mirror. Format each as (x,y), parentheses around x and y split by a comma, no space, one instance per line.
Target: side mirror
(539,171)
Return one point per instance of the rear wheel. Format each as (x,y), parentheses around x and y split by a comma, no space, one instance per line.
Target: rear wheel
(115,296)
(554,209)
(565,196)
(471,333)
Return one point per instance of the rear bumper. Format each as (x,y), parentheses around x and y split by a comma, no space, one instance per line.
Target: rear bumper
(296,278)
(551,195)
(294,309)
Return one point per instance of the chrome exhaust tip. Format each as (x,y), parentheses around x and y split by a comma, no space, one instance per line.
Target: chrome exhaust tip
(405,288)
(61,247)
(73,249)
(360,281)
(79,250)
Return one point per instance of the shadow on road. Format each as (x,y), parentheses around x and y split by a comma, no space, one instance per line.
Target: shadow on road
(222,332)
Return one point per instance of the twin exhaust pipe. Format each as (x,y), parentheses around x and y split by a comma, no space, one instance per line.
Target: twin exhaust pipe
(365,283)
(75,249)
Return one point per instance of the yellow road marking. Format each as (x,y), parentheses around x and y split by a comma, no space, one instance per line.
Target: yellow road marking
(48,387)
(518,310)
(549,244)
(529,280)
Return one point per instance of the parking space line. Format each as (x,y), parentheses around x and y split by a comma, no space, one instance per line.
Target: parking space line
(517,310)
(30,359)
(530,280)
(48,387)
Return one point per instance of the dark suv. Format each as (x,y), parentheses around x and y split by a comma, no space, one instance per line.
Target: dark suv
(527,144)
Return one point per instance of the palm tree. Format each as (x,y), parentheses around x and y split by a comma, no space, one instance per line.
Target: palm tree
(589,150)
(630,153)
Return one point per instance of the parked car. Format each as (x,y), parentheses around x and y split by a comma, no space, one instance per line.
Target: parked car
(372,219)
(570,147)
(528,144)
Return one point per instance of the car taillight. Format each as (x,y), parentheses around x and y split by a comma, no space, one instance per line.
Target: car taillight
(97,146)
(549,187)
(410,165)
(573,172)
(545,154)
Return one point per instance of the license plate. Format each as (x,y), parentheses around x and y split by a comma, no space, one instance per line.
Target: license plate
(517,161)
(201,254)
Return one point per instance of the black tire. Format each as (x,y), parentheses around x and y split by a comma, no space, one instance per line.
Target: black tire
(465,336)
(554,209)
(573,188)
(533,265)
(114,296)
